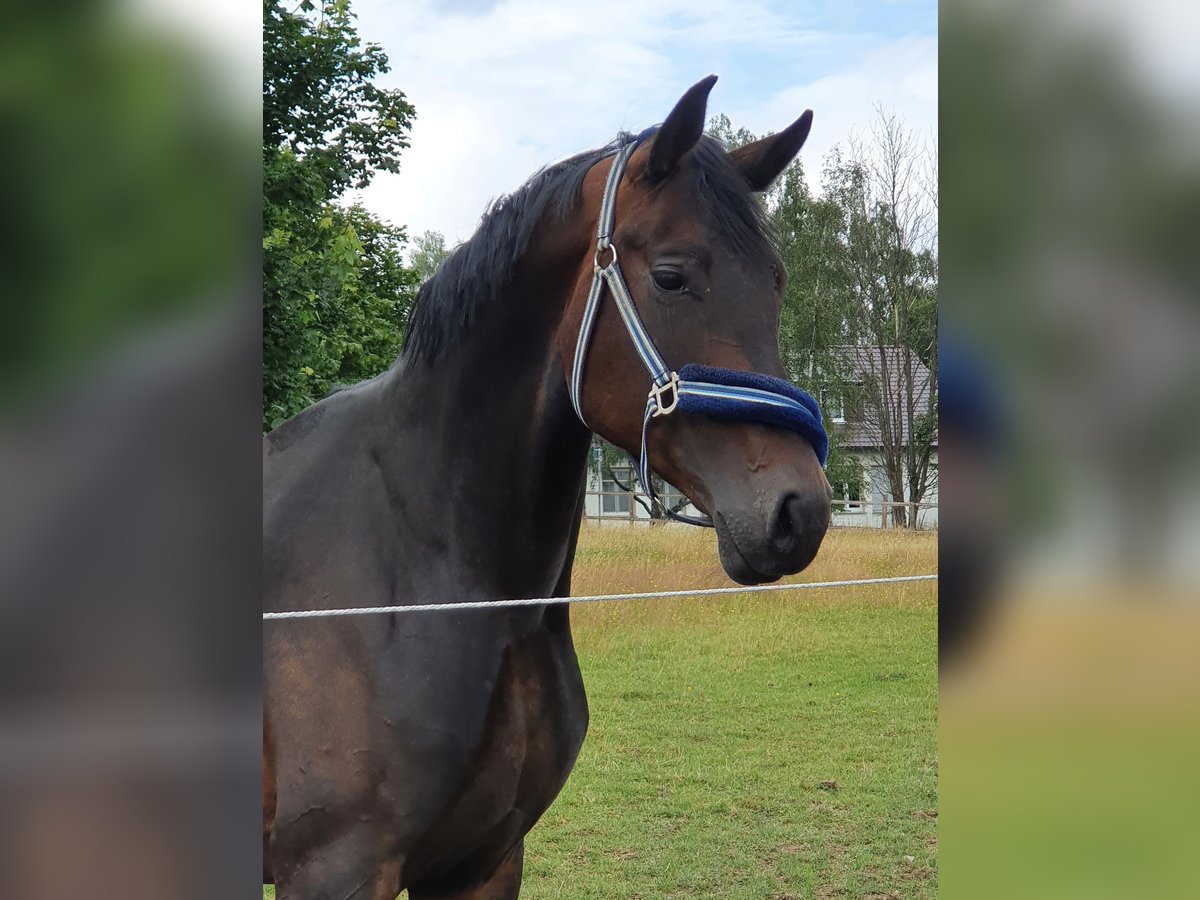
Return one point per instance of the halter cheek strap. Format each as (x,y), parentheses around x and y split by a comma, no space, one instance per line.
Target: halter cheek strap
(723,394)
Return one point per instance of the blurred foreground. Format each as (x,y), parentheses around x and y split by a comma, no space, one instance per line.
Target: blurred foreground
(1070,483)
(129,409)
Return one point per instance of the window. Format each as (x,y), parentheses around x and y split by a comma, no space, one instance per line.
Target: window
(613,498)
(844,403)
(835,408)
(851,492)
(671,497)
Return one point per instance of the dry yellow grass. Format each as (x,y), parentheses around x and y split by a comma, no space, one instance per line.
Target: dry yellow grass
(629,558)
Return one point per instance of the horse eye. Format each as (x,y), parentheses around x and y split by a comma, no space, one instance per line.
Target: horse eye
(668,280)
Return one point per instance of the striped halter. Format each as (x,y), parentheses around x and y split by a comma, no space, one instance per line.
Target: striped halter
(724,394)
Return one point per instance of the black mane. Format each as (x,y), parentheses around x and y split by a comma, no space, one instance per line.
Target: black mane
(478,270)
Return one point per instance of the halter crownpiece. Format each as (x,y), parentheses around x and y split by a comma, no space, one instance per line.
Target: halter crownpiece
(724,394)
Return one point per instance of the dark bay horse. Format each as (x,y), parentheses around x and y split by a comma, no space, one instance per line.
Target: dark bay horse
(414,751)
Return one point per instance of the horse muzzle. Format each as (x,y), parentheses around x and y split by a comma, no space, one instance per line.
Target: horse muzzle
(756,549)
(768,497)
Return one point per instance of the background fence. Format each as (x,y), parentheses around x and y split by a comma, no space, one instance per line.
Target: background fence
(630,507)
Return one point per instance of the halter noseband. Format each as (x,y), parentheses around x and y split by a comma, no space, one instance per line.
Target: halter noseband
(718,393)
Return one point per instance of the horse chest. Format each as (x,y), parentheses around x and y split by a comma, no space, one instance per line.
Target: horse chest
(531,735)
(528,739)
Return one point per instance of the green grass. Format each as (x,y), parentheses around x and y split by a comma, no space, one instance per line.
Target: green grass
(765,746)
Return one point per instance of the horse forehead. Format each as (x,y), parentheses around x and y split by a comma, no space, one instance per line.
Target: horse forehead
(674,210)
(677,192)
(671,210)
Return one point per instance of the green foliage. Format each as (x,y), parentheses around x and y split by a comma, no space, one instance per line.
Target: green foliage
(722,129)
(121,171)
(843,468)
(816,317)
(338,306)
(604,457)
(859,274)
(319,102)
(429,252)
(336,291)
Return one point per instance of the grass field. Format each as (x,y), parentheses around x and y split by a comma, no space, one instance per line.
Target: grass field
(760,746)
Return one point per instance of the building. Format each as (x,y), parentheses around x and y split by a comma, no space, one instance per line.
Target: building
(609,498)
(871,401)
(854,410)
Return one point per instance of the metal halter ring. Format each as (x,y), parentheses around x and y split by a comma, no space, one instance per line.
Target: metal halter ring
(596,267)
(657,391)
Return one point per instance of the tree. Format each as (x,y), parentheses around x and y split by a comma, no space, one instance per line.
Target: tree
(721,128)
(862,273)
(815,322)
(429,252)
(319,102)
(889,230)
(335,290)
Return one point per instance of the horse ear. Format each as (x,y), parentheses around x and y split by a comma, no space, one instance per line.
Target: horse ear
(763,161)
(681,130)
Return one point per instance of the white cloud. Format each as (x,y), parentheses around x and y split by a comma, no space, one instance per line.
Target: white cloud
(901,76)
(502,89)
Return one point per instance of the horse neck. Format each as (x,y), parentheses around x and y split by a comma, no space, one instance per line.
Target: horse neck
(489,425)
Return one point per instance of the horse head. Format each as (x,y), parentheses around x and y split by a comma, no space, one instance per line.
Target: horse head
(706,288)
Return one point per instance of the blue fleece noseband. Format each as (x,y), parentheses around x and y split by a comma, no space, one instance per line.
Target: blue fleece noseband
(723,394)
(749,397)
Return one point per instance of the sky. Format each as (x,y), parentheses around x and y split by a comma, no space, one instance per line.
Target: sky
(503,87)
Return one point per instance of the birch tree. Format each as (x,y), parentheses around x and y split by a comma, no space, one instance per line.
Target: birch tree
(882,184)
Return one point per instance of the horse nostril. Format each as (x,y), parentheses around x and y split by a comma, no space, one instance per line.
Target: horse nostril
(799,525)
(787,524)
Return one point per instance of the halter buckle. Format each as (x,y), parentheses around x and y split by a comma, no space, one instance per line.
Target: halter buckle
(596,267)
(657,391)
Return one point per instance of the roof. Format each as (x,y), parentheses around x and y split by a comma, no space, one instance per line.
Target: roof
(872,365)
